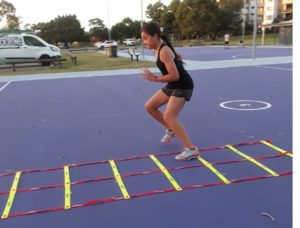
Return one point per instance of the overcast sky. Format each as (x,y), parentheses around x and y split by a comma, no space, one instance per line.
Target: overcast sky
(34,11)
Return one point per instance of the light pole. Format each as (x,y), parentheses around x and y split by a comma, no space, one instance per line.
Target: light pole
(244,21)
(254,30)
(142,21)
(109,35)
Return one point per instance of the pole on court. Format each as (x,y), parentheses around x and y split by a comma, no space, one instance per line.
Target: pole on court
(254,31)
(244,10)
(263,31)
(109,33)
(142,21)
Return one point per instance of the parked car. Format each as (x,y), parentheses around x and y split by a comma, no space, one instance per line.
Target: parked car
(63,45)
(105,44)
(26,46)
(129,42)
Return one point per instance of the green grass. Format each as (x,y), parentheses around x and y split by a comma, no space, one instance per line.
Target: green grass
(87,61)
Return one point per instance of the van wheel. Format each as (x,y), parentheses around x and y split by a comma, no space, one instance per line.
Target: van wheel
(45,57)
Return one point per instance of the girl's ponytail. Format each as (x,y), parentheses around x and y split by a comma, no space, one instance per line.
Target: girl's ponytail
(167,41)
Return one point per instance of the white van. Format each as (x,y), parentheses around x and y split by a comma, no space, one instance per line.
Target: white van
(26,46)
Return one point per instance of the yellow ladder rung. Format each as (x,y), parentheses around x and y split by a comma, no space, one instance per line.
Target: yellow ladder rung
(67,188)
(276,148)
(166,172)
(214,170)
(11,196)
(252,160)
(119,179)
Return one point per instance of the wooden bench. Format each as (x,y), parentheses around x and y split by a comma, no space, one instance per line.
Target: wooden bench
(132,53)
(13,63)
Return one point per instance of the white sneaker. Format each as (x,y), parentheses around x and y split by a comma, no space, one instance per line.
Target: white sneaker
(187,154)
(167,137)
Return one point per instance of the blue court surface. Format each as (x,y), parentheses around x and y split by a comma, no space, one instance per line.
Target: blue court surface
(81,143)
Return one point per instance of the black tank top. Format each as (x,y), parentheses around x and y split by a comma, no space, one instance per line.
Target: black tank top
(185,81)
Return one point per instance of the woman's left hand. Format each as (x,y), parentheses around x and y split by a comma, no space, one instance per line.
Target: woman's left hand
(148,75)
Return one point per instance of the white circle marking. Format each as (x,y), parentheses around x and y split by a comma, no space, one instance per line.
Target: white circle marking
(224,105)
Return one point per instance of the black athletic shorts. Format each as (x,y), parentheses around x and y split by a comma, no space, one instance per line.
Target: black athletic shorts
(186,93)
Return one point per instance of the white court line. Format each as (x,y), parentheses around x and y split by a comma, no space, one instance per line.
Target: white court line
(245,103)
(267,67)
(276,68)
(3,87)
(234,56)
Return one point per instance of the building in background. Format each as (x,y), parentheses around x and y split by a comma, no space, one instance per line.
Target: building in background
(269,10)
(286,9)
(270,14)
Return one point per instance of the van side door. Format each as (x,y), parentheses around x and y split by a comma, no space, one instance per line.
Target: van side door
(33,47)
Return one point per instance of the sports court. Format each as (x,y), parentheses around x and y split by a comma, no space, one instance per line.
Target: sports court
(79,150)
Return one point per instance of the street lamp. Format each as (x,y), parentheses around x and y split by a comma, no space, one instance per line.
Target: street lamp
(142,21)
(109,34)
(254,31)
(244,13)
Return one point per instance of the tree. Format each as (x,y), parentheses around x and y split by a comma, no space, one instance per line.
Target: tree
(172,9)
(233,5)
(126,29)
(62,29)
(229,16)
(167,21)
(39,26)
(98,31)
(164,15)
(13,22)
(197,17)
(7,14)
(96,23)
(154,11)
(28,26)
(6,8)
(174,5)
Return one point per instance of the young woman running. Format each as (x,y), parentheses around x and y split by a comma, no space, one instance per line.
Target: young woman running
(175,94)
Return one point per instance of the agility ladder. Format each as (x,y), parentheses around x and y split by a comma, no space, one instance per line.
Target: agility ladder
(120,178)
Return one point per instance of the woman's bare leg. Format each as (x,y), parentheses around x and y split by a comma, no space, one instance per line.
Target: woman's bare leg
(174,107)
(154,103)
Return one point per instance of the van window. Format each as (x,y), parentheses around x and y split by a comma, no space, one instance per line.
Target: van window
(31,41)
